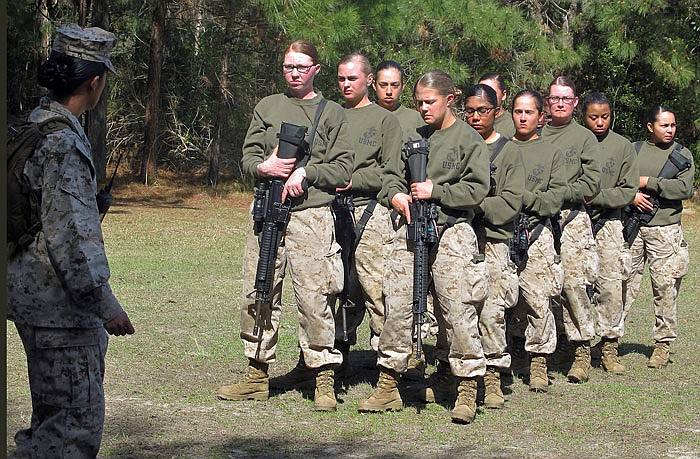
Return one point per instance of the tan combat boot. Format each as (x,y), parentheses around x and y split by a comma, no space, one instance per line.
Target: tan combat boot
(660,357)
(493,395)
(255,384)
(442,386)
(416,367)
(610,360)
(539,382)
(386,396)
(465,406)
(324,396)
(582,363)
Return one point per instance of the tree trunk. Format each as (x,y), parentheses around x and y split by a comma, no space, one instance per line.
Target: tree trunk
(220,116)
(149,160)
(96,119)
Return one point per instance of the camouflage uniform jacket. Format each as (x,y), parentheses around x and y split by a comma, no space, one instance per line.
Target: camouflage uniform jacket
(61,280)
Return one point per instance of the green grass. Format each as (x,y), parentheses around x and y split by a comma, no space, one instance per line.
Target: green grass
(176,268)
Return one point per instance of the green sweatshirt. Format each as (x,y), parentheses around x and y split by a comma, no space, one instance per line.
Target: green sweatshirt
(545,179)
(619,176)
(504,124)
(500,208)
(651,160)
(458,166)
(579,147)
(410,120)
(375,135)
(331,162)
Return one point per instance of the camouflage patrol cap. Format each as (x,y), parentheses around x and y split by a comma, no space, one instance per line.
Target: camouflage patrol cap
(90,44)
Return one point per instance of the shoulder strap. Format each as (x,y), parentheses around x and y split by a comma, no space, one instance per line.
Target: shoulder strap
(500,143)
(317,117)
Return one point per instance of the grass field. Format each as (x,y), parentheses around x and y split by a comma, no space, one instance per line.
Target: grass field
(175,256)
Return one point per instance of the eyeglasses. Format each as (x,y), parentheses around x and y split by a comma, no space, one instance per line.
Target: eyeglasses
(481,111)
(555,100)
(288,68)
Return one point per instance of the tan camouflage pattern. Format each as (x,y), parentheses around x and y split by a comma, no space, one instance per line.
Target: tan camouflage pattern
(613,269)
(66,370)
(370,261)
(89,44)
(459,286)
(309,251)
(540,279)
(666,252)
(579,257)
(61,280)
(503,294)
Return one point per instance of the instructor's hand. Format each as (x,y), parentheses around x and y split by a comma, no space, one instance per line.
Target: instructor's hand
(120,325)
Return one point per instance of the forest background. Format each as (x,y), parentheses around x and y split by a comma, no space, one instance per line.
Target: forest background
(191,71)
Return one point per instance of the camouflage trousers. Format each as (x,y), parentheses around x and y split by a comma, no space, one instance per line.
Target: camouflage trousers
(309,250)
(580,260)
(503,294)
(667,253)
(66,372)
(540,279)
(370,260)
(613,269)
(459,284)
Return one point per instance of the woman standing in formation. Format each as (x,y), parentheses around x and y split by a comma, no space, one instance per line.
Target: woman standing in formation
(541,274)
(494,224)
(504,120)
(389,84)
(457,181)
(660,240)
(308,247)
(578,252)
(619,179)
(375,136)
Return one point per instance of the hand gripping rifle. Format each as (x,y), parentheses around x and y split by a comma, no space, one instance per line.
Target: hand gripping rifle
(270,216)
(633,218)
(344,212)
(423,232)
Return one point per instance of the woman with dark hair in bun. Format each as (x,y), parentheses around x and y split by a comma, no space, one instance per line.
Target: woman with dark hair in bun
(58,279)
(660,238)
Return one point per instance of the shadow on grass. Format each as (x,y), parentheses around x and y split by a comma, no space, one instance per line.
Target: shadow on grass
(635,348)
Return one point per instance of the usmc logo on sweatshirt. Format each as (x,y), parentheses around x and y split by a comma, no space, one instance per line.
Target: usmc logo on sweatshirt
(452,160)
(536,175)
(609,167)
(571,157)
(369,138)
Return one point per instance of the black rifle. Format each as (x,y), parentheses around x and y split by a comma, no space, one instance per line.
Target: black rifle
(632,216)
(423,232)
(520,241)
(344,211)
(104,196)
(271,215)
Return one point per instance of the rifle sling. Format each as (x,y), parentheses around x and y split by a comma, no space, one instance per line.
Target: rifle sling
(366,215)
(312,134)
(500,143)
(541,225)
